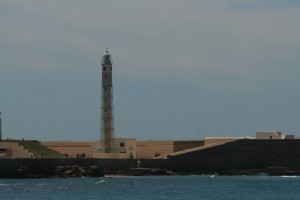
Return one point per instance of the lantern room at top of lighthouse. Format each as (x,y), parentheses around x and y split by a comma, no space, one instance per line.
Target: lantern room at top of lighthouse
(106,58)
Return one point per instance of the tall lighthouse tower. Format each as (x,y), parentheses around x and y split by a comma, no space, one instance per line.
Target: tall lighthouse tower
(107,117)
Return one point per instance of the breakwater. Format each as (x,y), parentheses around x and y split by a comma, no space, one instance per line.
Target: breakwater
(275,157)
(59,167)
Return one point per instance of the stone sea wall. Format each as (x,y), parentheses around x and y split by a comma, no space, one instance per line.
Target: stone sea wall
(273,157)
(61,167)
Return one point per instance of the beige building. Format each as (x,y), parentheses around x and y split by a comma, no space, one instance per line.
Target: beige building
(272,135)
(124,148)
(151,149)
(13,150)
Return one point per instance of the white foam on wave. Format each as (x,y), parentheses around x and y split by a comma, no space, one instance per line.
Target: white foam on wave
(290,176)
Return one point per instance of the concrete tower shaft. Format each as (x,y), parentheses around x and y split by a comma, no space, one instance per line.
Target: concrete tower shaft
(107,117)
(0,127)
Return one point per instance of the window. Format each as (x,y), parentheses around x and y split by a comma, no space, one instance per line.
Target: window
(122,144)
(104,68)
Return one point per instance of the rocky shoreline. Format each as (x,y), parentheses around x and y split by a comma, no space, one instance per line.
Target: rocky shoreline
(269,171)
(94,171)
(76,171)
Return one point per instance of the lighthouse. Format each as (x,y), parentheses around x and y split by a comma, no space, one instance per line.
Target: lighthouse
(107,117)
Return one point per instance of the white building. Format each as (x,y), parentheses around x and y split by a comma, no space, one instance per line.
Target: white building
(272,135)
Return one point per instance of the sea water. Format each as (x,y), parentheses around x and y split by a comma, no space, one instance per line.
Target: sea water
(154,187)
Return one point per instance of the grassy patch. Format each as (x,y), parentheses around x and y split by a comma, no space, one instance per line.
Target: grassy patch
(39,150)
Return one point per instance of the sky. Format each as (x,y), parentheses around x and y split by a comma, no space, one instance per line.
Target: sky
(183,70)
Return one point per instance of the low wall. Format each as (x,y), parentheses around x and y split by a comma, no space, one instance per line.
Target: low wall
(183,145)
(235,155)
(18,168)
